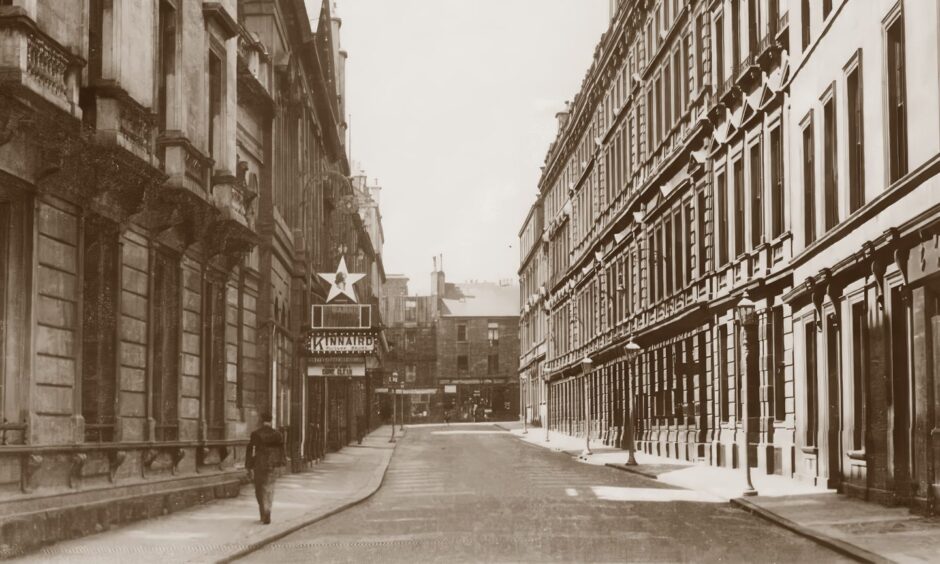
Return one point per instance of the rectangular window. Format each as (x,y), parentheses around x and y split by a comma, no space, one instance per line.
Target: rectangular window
(215,104)
(776,181)
(660,264)
(859,373)
(777,366)
(685,92)
(213,372)
(411,373)
(830,164)
(667,262)
(738,373)
(492,333)
(659,110)
(719,48)
(492,364)
(700,235)
(6,221)
(757,198)
(166,331)
(650,125)
(462,364)
(897,107)
(735,34)
(805,23)
(739,207)
(721,218)
(651,267)
(678,87)
(856,138)
(723,372)
(812,390)
(753,24)
(100,329)
(167,53)
(461,332)
(699,50)
(809,185)
(687,243)
(677,249)
(667,98)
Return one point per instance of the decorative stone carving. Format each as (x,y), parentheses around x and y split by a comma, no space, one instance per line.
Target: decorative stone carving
(115,460)
(29,465)
(202,455)
(78,461)
(147,458)
(177,456)
(46,64)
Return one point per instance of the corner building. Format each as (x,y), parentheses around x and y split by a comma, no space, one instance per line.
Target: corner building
(746,148)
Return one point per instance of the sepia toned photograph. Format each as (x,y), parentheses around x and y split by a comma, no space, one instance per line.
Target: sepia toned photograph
(469,281)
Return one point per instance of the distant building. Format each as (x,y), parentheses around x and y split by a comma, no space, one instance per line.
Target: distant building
(477,346)
(455,350)
(412,337)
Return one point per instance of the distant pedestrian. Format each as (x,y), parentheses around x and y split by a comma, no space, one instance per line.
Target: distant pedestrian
(447,416)
(265,454)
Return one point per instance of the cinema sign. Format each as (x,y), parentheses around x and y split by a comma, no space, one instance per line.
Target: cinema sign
(341,343)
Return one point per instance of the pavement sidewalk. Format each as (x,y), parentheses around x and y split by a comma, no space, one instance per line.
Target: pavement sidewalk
(865,531)
(228,528)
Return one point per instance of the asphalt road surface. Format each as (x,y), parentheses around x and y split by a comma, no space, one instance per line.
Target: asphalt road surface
(475,493)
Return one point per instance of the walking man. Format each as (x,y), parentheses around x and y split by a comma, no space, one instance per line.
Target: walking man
(265,454)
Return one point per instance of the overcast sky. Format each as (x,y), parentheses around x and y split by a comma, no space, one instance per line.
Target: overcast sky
(452,106)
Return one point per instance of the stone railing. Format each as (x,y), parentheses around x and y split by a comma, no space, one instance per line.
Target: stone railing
(35,61)
(56,468)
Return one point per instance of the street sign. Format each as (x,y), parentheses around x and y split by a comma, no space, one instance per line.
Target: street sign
(341,343)
(450,388)
(336,370)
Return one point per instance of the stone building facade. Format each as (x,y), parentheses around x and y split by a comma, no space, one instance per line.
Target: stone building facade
(477,346)
(171,175)
(761,149)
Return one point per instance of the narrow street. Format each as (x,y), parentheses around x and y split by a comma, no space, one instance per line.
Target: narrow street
(475,493)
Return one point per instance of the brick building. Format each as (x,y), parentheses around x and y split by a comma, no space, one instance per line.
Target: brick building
(477,346)
(412,335)
(759,149)
(171,179)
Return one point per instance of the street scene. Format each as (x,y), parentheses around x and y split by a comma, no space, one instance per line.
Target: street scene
(469,281)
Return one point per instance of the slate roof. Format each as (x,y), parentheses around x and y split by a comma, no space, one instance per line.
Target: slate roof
(480,299)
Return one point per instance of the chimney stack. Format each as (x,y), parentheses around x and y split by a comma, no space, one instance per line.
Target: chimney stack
(562,116)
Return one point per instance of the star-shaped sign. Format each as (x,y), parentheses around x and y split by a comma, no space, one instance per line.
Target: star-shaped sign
(341,281)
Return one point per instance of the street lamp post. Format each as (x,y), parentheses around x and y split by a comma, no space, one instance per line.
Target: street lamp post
(746,314)
(548,404)
(632,350)
(402,418)
(525,409)
(586,364)
(391,389)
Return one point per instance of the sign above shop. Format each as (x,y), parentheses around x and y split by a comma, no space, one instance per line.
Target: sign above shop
(336,370)
(341,282)
(341,343)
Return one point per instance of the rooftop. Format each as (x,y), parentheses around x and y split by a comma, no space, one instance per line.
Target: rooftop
(481,299)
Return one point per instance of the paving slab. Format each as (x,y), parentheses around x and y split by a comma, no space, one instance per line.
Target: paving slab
(226,529)
(864,531)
